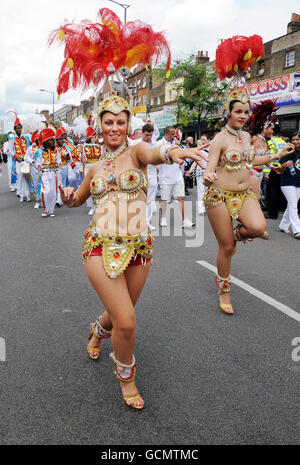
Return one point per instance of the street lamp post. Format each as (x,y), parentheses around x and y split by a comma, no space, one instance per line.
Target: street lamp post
(123,6)
(53,93)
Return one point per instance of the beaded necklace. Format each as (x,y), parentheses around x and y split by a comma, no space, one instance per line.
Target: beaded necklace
(111,156)
(235,132)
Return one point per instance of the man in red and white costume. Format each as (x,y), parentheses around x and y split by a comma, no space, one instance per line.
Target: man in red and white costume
(48,161)
(18,147)
(91,154)
(30,158)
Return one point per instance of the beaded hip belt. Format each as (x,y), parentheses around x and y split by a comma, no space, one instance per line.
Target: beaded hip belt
(50,167)
(117,250)
(215,196)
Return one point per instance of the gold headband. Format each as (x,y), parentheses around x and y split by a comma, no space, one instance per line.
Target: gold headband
(114,104)
(238,93)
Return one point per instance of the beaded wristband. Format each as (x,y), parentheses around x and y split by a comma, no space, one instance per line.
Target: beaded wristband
(163,150)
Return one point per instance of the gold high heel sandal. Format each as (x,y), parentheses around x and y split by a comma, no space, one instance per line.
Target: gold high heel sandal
(132,400)
(102,333)
(224,284)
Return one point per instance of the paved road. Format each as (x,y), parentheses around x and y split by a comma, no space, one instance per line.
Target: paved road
(206,378)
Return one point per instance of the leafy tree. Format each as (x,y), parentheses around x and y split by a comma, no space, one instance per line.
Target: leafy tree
(199,92)
(3,138)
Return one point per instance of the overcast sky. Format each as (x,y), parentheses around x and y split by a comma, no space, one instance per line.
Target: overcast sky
(27,64)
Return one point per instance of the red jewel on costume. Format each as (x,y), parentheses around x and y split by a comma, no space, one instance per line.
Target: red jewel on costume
(142,247)
(235,205)
(149,241)
(116,255)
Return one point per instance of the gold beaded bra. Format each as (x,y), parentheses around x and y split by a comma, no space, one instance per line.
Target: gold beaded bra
(236,159)
(126,185)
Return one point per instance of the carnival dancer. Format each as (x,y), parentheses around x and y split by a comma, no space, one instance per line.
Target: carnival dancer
(231,158)
(117,243)
(91,155)
(65,156)
(34,173)
(118,237)
(18,147)
(48,162)
(75,167)
(262,117)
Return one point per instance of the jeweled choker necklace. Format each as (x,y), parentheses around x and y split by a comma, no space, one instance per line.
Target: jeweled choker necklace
(111,156)
(235,132)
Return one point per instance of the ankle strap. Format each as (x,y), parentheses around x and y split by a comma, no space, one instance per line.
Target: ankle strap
(223,284)
(238,237)
(102,332)
(121,369)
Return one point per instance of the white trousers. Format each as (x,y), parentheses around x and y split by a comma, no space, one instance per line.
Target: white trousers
(9,165)
(74,175)
(22,186)
(200,193)
(35,178)
(290,216)
(49,190)
(151,195)
(64,170)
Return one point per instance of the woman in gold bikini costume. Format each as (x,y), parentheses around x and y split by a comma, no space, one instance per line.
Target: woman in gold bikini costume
(117,248)
(229,195)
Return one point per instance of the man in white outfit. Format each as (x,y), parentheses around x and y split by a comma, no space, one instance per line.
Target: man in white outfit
(171,181)
(147,132)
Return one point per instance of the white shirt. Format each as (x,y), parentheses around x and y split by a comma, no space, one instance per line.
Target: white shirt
(168,174)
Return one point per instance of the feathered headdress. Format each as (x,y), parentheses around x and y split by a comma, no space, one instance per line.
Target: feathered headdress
(234,57)
(263,114)
(91,47)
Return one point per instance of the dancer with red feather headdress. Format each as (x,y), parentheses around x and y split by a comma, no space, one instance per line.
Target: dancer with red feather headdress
(117,247)
(231,157)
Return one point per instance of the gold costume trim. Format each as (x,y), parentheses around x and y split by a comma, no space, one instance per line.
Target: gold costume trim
(117,250)
(234,200)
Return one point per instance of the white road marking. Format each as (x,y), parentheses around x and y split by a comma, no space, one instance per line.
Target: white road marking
(269,300)
(2,350)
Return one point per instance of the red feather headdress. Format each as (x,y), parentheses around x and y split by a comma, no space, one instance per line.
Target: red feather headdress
(234,57)
(91,47)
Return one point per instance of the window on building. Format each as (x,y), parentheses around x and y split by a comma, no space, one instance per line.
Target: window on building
(158,100)
(144,99)
(290,58)
(144,82)
(152,101)
(261,67)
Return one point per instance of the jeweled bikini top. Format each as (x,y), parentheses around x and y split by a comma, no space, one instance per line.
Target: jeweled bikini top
(126,184)
(236,160)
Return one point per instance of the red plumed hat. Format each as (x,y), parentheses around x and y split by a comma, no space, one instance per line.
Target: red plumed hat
(34,136)
(17,121)
(59,133)
(237,54)
(90,132)
(46,134)
(91,47)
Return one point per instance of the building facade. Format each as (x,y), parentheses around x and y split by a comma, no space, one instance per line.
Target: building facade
(277,76)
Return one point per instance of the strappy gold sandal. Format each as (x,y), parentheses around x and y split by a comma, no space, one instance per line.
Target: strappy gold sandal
(97,330)
(132,400)
(223,285)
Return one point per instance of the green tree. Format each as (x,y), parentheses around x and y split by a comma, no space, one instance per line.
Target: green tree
(199,92)
(3,138)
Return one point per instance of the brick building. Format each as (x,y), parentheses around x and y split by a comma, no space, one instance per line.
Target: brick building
(277,75)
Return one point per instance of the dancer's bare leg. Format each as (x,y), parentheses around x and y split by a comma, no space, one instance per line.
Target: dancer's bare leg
(221,224)
(252,219)
(119,296)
